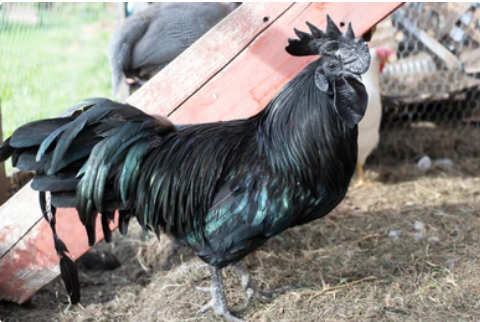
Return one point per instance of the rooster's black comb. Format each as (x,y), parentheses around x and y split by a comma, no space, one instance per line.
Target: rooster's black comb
(354,53)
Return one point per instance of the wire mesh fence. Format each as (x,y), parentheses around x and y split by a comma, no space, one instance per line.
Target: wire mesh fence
(431,92)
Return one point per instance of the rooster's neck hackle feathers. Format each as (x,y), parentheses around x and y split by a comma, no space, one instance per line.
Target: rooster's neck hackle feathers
(302,136)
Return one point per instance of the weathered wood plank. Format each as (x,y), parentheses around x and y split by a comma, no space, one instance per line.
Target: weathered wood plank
(17,217)
(242,60)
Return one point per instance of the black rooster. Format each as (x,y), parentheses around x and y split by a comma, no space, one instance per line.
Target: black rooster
(223,189)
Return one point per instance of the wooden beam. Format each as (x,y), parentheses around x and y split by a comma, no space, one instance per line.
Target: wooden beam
(231,72)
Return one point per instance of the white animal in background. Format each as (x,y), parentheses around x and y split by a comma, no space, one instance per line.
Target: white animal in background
(369,127)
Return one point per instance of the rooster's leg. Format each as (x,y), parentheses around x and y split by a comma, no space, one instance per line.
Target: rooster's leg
(218,303)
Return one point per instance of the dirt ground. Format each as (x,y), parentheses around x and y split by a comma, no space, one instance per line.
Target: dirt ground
(405,248)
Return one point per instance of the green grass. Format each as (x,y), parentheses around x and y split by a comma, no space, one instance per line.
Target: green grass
(47,67)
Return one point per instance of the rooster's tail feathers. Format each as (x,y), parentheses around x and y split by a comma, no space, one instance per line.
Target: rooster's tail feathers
(90,158)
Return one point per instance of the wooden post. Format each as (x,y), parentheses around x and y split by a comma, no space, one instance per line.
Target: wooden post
(3,176)
(231,72)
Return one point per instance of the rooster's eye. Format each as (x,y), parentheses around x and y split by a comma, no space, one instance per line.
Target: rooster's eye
(332,66)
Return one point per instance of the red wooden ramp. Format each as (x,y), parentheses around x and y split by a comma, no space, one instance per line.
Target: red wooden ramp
(232,72)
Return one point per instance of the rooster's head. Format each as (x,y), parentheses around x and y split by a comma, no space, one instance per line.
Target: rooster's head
(338,71)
